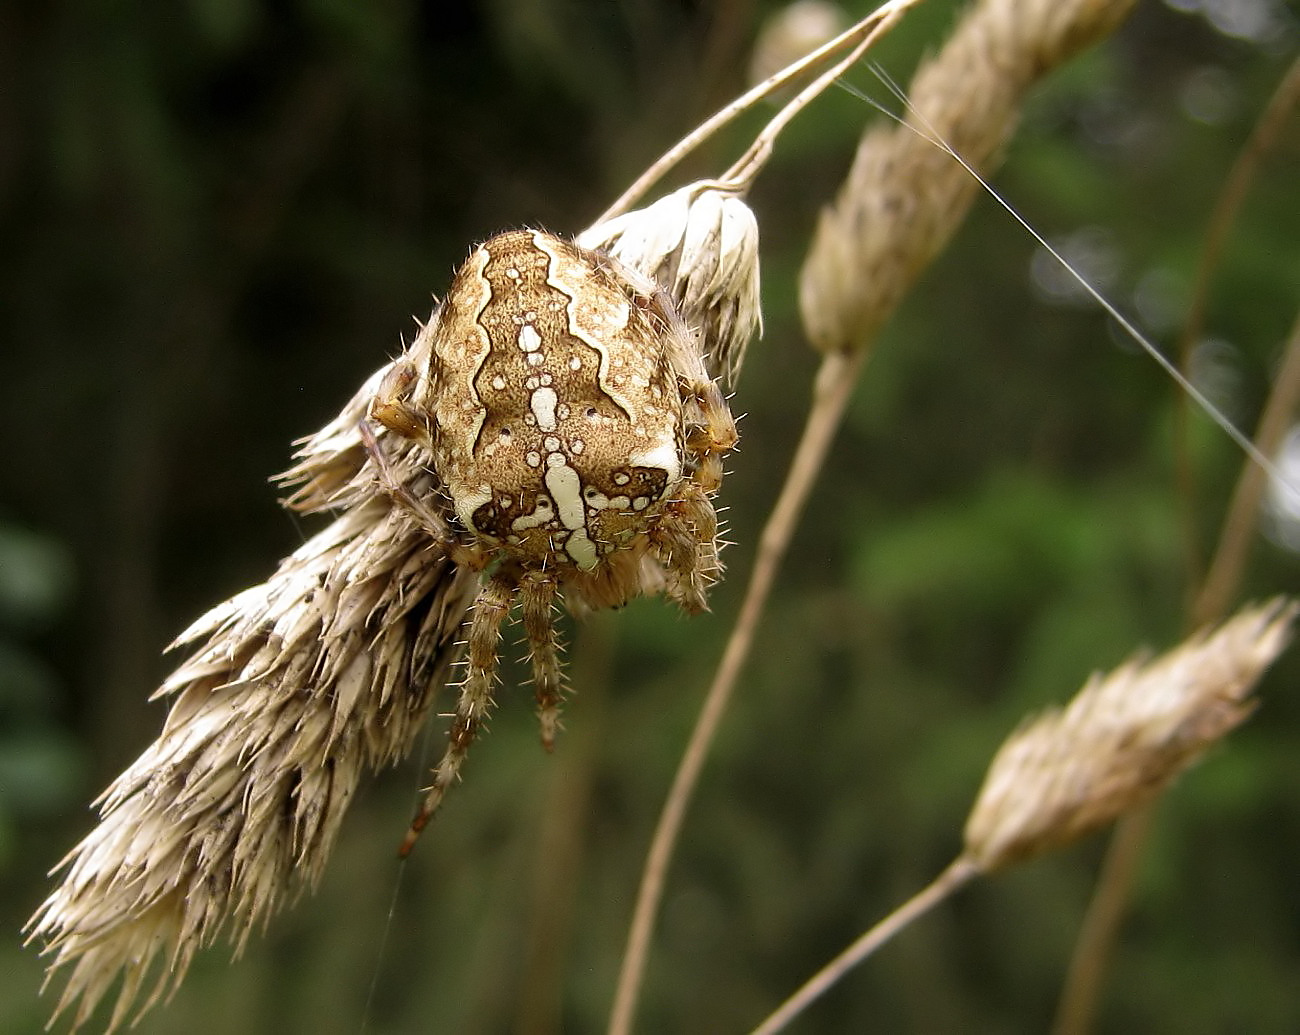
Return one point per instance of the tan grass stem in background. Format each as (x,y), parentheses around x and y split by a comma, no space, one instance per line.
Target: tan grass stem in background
(1268,133)
(833,389)
(1106,910)
(1122,740)
(1101,924)
(903,199)
(1223,578)
(855,40)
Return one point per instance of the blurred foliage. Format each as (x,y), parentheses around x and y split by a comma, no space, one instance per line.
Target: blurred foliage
(218,218)
(39,766)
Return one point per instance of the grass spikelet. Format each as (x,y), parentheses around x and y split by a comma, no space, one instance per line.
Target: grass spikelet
(300,686)
(904,197)
(1122,740)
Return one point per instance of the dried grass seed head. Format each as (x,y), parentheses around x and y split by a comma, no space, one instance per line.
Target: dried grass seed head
(1122,740)
(905,196)
(299,686)
(700,245)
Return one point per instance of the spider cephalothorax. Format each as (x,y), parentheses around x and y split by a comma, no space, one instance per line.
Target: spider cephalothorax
(578,436)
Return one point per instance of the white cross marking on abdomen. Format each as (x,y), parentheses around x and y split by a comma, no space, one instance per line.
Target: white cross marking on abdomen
(565,487)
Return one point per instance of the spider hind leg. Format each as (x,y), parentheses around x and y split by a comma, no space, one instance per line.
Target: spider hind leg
(686,543)
(475,701)
(537,595)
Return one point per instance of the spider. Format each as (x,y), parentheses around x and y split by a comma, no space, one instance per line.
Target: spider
(578,438)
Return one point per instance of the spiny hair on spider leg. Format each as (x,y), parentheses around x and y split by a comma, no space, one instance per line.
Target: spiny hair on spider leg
(464,663)
(559,646)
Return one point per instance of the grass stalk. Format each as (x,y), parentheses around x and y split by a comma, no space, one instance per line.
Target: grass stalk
(955,877)
(1100,930)
(832,390)
(1269,131)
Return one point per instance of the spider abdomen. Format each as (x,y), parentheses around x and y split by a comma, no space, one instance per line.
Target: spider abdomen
(559,416)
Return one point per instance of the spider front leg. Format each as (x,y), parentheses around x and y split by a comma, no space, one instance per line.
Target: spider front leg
(392,410)
(475,700)
(712,431)
(537,598)
(392,407)
(400,493)
(386,412)
(686,540)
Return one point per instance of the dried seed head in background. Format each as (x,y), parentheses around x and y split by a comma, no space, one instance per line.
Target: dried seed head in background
(1122,740)
(905,196)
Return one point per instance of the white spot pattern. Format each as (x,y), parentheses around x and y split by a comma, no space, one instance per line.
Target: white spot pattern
(529,339)
(542,403)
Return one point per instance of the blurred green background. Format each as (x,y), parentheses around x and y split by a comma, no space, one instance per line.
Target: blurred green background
(218,216)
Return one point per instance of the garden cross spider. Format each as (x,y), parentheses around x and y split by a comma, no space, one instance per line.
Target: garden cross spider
(578,436)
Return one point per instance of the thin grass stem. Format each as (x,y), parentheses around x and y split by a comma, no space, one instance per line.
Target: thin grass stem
(832,389)
(1100,930)
(857,38)
(1228,565)
(1092,950)
(956,876)
(1264,138)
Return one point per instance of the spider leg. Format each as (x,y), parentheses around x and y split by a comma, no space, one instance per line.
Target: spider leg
(537,597)
(390,406)
(686,541)
(394,486)
(428,518)
(475,701)
(712,431)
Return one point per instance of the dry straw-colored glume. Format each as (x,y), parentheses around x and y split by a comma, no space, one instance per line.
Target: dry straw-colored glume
(700,244)
(305,682)
(1122,740)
